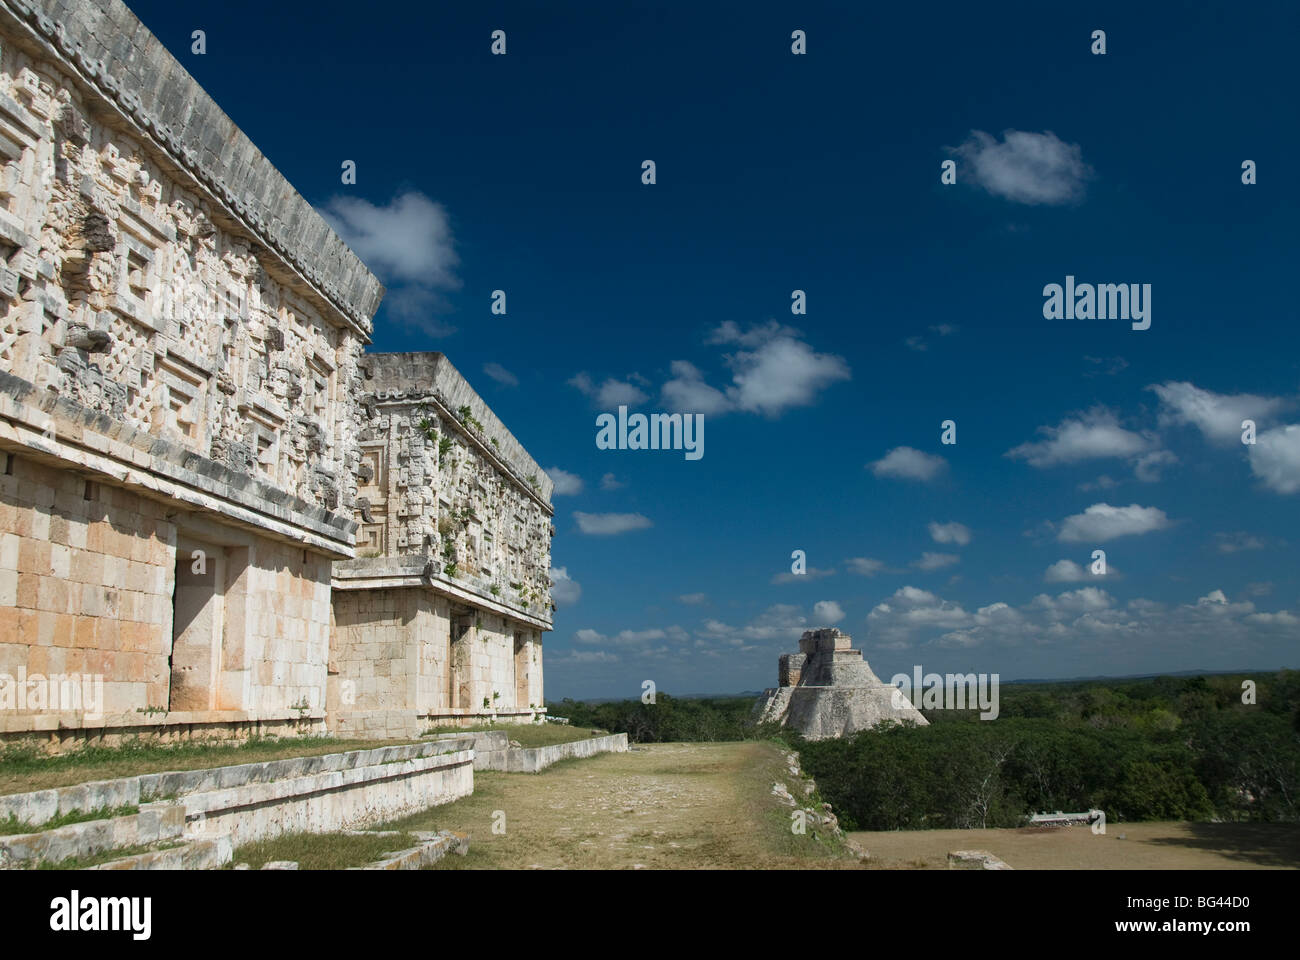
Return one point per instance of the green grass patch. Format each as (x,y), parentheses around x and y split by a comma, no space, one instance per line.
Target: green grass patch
(108,856)
(25,768)
(322,851)
(527,734)
(12,826)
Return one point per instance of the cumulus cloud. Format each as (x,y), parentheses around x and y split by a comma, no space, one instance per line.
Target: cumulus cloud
(565,484)
(1074,620)
(565,591)
(774,371)
(500,374)
(782,622)
(608,524)
(907,463)
(694,599)
(1275,458)
(1092,435)
(1029,168)
(611,482)
(688,393)
(954,532)
(1102,522)
(936,561)
(1217,415)
(812,573)
(408,244)
(865,566)
(827,612)
(611,393)
(1067,571)
(1238,541)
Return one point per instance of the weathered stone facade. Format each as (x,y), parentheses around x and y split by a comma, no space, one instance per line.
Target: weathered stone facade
(439,618)
(828,690)
(187,422)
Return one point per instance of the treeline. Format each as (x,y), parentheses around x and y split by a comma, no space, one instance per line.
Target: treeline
(668,719)
(1163,749)
(1168,748)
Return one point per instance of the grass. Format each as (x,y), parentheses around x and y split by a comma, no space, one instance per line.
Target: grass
(662,806)
(12,826)
(527,734)
(670,806)
(1124,846)
(108,856)
(24,768)
(314,851)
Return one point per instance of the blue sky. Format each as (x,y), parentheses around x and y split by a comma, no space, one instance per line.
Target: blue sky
(821,172)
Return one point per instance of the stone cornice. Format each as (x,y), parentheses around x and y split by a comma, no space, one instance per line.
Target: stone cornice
(182,122)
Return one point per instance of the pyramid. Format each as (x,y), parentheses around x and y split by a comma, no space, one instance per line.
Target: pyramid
(827,690)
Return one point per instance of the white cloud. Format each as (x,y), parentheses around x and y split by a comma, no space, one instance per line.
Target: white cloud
(827,612)
(1236,542)
(1029,168)
(565,591)
(610,394)
(1148,466)
(777,371)
(565,484)
(408,244)
(1275,458)
(936,561)
(1095,434)
(812,573)
(688,393)
(865,566)
(694,599)
(1217,415)
(1067,571)
(1102,522)
(611,482)
(907,463)
(954,532)
(500,374)
(606,524)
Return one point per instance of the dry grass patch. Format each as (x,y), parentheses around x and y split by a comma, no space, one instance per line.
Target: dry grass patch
(24,769)
(661,806)
(1144,846)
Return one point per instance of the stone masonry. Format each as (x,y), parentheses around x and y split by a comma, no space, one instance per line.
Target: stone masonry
(191,434)
(439,618)
(828,690)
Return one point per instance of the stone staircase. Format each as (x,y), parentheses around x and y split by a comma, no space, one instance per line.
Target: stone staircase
(194,819)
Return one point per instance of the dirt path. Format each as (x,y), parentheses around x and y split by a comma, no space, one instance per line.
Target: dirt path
(661,806)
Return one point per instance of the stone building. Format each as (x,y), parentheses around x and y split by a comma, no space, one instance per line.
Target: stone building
(187,424)
(439,618)
(828,690)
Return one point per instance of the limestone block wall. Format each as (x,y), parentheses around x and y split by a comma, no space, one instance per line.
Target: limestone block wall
(180,344)
(87,579)
(85,589)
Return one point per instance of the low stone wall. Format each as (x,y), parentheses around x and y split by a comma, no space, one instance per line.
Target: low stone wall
(532,760)
(154,823)
(492,751)
(252,801)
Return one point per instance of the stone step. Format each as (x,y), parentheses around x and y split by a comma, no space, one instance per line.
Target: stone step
(208,854)
(154,823)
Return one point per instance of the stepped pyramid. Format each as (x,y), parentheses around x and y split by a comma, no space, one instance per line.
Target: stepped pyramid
(827,690)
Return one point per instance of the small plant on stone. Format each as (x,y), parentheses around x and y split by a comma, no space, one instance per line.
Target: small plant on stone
(450,569)
(496,590)
(150,710)
(302,706)
(486,702)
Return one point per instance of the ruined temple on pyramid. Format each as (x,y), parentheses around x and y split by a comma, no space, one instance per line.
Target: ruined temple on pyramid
(828,690)
(212,498)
